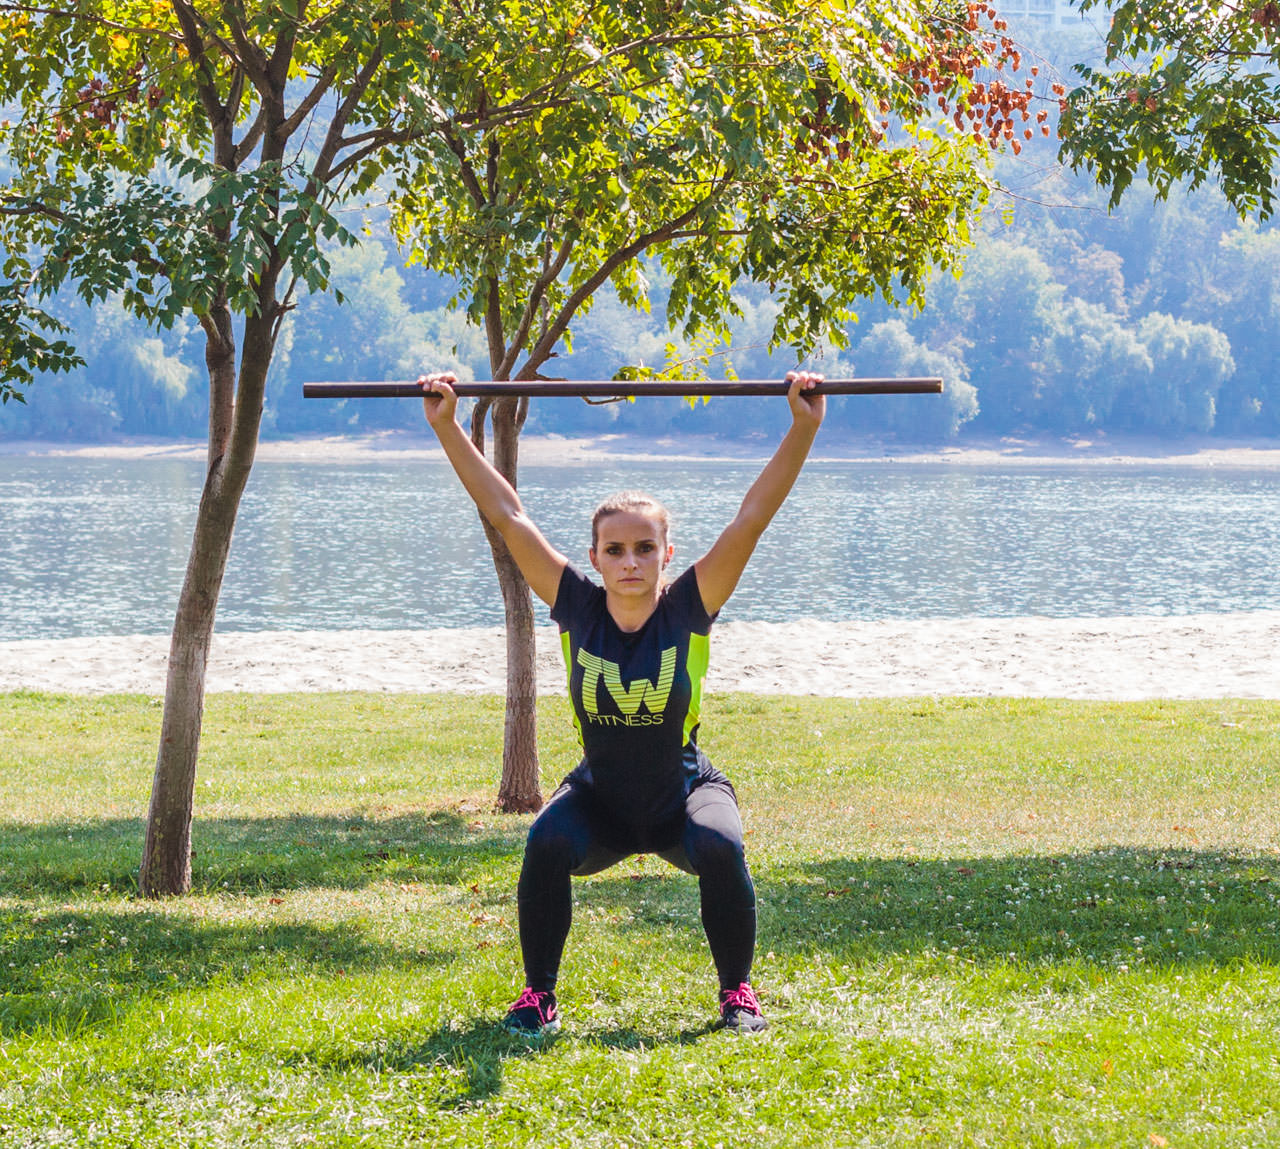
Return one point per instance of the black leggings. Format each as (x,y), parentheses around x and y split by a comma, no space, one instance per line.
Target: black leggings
(573,836)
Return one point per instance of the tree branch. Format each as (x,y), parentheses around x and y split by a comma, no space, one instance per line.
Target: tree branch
(551,269)
(324,168)
(377,140)
(478,413)
(30,207)
(282,54)
(250,57)
(556,328)
(493,325)
(310,100)
(87,18)
(207,86)
(244,149)
(469,178)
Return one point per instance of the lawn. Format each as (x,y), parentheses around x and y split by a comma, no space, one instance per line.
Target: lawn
(982,922)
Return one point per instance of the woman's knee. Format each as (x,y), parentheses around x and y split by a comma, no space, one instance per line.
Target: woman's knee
(559,836)
(715,850)
(549,843)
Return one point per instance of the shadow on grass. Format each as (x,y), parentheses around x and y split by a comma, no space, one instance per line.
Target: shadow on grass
(68,968)
(1113,906)
(479,1053)
(1109,908)
(476,1055)
(254,854)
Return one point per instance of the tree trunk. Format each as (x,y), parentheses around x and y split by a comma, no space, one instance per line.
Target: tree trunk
(166,857)
(519,791)
(235,414)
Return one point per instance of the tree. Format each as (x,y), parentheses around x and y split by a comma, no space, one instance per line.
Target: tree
(1001,314)
(1189,91)
(889,348)
(1091,355)
(1244,304)
(189,156)
(362,329)
(133,379)
(1189,362)
(832,151)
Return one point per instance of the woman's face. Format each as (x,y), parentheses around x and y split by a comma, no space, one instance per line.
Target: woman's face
(630,553)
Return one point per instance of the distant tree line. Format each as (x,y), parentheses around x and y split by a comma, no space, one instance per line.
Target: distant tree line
(1159,319)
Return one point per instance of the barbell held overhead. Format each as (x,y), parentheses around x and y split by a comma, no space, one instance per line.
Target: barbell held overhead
(620,388)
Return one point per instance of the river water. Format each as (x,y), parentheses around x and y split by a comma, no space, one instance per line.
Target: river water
(93,546)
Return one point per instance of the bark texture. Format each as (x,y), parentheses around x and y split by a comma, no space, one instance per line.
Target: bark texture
(519,791)
(235,415)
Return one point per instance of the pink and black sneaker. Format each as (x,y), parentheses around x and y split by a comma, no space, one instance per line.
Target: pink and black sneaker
(533,1015)
(740,1010)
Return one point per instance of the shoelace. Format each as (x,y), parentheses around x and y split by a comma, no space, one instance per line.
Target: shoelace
(531,998)
(744,997)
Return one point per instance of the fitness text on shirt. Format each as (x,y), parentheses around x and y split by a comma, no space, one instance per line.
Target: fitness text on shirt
(628,699)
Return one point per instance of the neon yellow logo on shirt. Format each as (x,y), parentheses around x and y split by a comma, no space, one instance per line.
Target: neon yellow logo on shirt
(628,699)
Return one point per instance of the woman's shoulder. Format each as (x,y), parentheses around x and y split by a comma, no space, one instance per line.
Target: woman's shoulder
(682,581)
(577,593)
(683,595)
(576,574)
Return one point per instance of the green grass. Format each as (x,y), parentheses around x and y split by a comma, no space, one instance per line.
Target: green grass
(982,923)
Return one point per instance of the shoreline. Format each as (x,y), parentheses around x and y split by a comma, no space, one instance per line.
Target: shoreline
(536,450)
(1115,659)
(1119,658)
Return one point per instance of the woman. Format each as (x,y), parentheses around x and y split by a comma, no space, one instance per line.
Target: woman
(636,653)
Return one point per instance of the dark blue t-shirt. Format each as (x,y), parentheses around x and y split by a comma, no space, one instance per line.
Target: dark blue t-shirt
(636,697)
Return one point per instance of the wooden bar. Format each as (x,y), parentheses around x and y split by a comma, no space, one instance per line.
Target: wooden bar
(622,388)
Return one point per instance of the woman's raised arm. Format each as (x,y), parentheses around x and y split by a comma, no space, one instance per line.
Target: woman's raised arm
(721,567)
(539,562)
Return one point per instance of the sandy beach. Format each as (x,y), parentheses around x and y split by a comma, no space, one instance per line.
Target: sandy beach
(1193,656)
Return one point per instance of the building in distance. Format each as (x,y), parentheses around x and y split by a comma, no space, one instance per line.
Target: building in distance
(1038,15)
